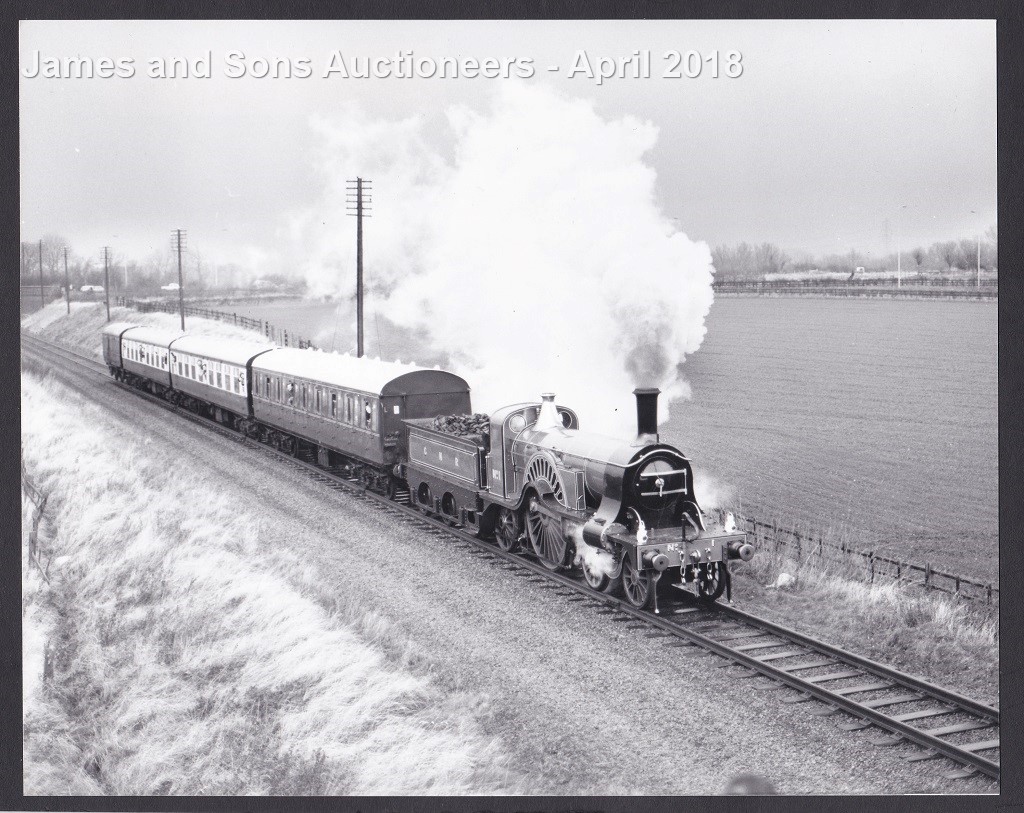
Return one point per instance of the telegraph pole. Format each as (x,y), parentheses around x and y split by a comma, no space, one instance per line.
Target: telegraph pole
(358,203)
(899,267)
(178,239)
(42,296)
(67,285)
(106,277)
(979,261)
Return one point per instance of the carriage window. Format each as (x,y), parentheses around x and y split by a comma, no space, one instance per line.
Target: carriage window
(194,377)
(367,413)
(334,405)
(305,403)
(219,384)
(290,392)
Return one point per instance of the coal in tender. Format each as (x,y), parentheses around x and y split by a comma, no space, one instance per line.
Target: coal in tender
(462,426)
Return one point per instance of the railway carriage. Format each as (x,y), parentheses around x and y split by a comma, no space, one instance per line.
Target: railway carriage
(349,411)
(110,338)
(213,374)
(145,357)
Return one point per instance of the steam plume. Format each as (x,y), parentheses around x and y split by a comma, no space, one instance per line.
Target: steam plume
(536,258)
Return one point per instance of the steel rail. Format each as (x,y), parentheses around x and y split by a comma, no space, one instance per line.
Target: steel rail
(975,707)
(900,680)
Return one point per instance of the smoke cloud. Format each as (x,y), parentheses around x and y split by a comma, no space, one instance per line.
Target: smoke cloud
(523,241)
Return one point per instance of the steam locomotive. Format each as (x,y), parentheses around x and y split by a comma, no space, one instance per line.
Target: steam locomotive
(625,513)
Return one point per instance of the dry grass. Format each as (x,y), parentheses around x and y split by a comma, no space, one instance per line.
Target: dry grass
(193,656)
(931,634)
(53,761)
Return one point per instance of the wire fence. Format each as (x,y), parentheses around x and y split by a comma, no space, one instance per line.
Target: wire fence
(949,288)
(276,334)
(866,564)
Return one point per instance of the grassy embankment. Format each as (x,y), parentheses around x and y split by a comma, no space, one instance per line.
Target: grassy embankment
(194,656)
(948,641)
(926,633)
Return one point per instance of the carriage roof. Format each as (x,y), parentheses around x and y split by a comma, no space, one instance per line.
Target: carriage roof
(232,351)
(364,374)
(116,328)
(152,335)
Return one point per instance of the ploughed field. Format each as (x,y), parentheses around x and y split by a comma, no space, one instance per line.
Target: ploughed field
(873,421)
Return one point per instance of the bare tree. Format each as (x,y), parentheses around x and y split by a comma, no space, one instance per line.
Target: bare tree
(734,262)
(967,254)
(770,259)
(950,253)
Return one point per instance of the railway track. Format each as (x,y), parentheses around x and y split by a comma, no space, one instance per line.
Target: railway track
(902,709)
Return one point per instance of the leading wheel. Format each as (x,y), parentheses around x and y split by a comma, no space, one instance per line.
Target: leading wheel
(637,585)
(547,539)
(508,529)
(711,581)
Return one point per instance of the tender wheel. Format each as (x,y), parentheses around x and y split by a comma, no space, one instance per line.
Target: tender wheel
(550,545)
(508,530)
(711,581)
(638,586)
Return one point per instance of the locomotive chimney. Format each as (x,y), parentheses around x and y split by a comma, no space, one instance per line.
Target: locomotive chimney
(646,414)
(548,417)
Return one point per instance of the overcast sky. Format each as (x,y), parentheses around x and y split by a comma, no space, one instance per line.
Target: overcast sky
(832,128)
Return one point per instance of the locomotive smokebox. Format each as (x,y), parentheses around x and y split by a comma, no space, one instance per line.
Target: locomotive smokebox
(646,414)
